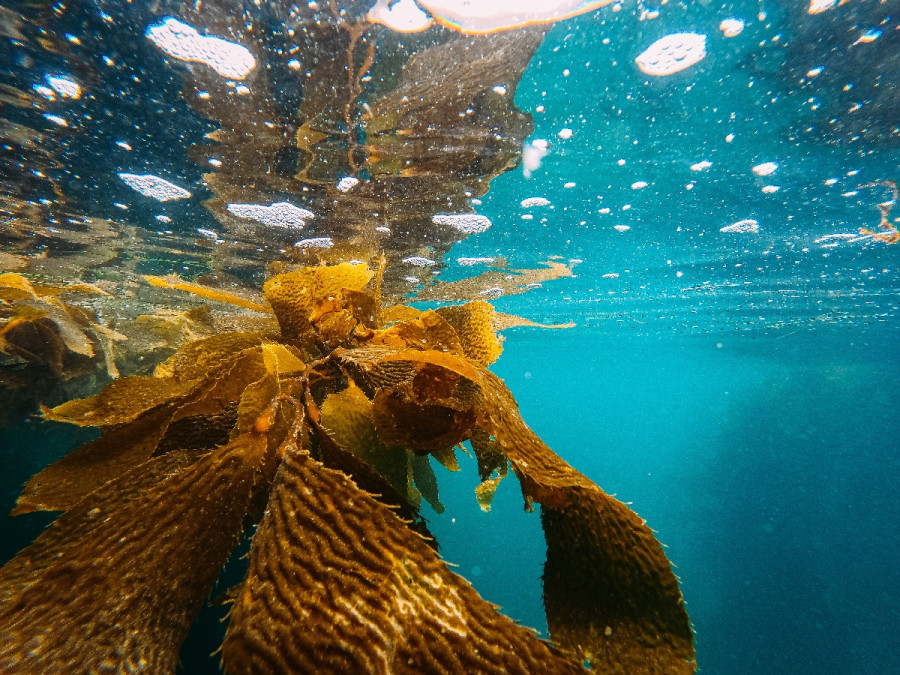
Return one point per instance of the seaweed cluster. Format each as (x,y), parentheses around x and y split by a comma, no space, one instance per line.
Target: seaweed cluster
(323,432)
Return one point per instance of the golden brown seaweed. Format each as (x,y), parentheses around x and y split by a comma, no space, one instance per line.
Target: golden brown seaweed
(329,430)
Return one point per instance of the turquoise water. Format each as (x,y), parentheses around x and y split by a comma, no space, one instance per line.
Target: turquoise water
(738,389)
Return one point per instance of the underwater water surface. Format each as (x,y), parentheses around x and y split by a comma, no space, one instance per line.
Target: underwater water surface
(732,372)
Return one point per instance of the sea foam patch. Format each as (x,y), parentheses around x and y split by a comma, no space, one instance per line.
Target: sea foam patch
(747,226)
(182,41)
(154,186)
(279,214)
(672,53)
(467,223)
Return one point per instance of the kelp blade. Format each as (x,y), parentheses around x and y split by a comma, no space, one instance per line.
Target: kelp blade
(339,584)
(610,594)
(116,582)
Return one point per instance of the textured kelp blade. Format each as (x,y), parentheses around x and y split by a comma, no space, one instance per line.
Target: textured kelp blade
(117,581)
(609,591)
(427,331)
(337,583)
(122,401)
(473,322)
(68,480)
(294,296)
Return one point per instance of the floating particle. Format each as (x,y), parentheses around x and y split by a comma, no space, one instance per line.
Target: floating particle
(419,261)
(570,184)
(383,228)
(865,38)
(765,169)
(771,189)
(498,15)
(611,275)
(565,134)
(347,182)
(467,223)
(527,216)
(639,185)
(622,228)
(729,138)
(819,6)
(731,27)
(701,166)
(123,145)
(534,201)
(207,233)
(532,154)
(182,41)
(748,226)
(163,219)
(813,72)
(403,16)
(672,53)
(468,262)
(154,186)
(44,91)
(279,214)
(315,242)
(56,119)
(65,87)
(831,181)
(241,89)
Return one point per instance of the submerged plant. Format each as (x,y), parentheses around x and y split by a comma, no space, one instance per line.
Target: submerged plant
(323,432)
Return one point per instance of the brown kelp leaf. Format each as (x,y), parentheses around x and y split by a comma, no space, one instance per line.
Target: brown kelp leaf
(199,359)
(206,292)
(492,467)
(402,422)
(473,323)
(485,491)
(120,402)
(153,540)
(339,584)
(427,331)
(15,287)
(70,479)
(347,419)
(447,457)
(296,296)
(426,481)
(609,591)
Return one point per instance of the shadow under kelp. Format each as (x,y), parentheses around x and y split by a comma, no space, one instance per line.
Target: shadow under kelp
(799,535)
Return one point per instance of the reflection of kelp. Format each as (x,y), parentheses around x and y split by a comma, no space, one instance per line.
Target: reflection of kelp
(327,427)
(419,120)
(424,122)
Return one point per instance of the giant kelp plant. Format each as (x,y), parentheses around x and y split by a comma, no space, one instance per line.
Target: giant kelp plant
(323,430)
(314,412)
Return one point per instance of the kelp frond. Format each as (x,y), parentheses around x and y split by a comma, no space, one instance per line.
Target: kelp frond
(326,432)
